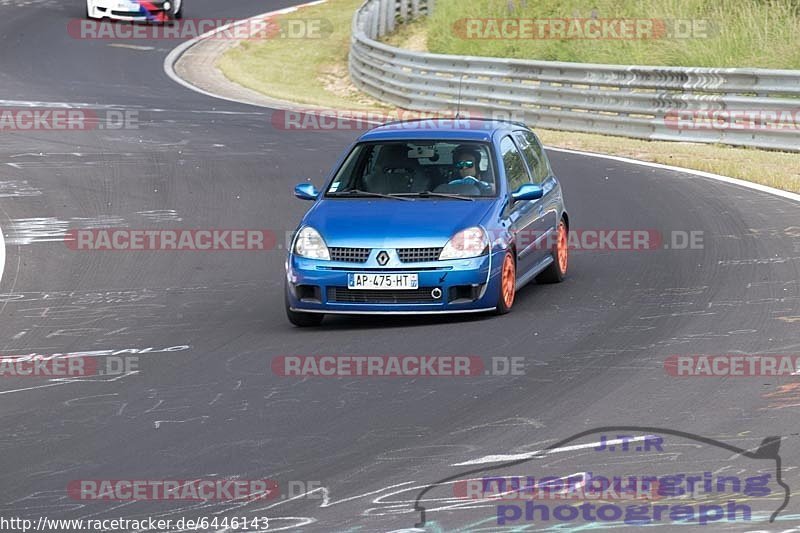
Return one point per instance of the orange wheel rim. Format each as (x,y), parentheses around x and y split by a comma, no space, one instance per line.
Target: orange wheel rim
(563,252)
(508,281)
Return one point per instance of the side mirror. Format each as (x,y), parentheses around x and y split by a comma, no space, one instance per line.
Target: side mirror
(528,191)
(306,191)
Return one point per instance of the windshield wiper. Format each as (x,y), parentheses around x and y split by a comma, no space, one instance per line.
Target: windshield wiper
(358,192)
(426,194)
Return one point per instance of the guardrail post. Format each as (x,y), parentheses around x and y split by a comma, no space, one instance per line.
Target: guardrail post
(391,15)
(374,17)
(382,7)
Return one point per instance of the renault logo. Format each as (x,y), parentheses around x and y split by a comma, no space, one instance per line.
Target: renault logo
(383,258)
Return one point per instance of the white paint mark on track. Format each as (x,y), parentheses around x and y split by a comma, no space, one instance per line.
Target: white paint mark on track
(17,188)
(63,105)
(725,179)
(32,388)
(2,254)
(132,47)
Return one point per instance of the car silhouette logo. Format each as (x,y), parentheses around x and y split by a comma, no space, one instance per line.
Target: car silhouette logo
(383,258)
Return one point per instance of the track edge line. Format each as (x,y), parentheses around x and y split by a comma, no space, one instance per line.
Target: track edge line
(719,177)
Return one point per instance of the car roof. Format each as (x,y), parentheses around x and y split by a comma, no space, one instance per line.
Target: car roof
(440,128)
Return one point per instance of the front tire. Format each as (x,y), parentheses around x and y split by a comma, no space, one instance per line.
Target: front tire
(179,13)
(300,319)
(508,284)
(557,271)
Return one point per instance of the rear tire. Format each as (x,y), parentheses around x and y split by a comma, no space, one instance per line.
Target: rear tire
(300,319)
(508,285)
(557,271)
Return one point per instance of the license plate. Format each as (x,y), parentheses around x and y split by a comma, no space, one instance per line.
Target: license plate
(368,281)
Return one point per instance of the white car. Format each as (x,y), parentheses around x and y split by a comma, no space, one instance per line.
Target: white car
(135,10)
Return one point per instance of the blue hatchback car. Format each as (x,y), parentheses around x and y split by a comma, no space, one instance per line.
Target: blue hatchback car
(417,219)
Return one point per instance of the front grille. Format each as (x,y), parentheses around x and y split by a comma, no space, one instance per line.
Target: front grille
(418,255)
(350,255)
(383,296)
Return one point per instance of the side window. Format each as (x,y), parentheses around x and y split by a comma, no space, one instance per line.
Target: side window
(534,155)
(516,173)
(351,174)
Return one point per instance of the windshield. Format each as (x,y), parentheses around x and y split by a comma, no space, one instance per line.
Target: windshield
(417,168)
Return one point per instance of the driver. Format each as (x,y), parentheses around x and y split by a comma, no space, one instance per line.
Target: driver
(467,161)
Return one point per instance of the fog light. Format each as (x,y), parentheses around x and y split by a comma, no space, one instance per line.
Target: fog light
(167,6)
(436,293)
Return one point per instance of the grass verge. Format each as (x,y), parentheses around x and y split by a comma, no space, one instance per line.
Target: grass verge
(315,72)
(688,33)
(307,71)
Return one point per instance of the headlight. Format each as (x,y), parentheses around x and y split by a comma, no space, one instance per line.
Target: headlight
(471,242)
(309,244)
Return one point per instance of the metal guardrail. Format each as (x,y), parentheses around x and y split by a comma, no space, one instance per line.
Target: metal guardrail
(644,102)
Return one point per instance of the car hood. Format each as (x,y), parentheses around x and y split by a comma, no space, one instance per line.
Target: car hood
(374,223)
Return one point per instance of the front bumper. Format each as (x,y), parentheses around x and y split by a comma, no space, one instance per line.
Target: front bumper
(466,285)
(131,10)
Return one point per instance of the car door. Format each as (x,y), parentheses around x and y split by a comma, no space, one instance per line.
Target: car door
(547,207)
(523,215)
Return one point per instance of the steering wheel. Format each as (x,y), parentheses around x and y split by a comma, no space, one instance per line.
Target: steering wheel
(471,180)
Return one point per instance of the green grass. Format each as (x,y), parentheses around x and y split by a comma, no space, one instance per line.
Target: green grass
(774,169)
(743,33)
(306,71)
